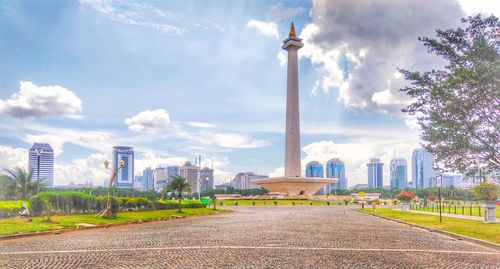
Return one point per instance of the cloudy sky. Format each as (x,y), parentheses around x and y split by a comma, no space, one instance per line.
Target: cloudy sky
(175,79)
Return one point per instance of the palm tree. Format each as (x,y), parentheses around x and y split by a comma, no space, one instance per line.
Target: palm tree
(179,185)
(22,179)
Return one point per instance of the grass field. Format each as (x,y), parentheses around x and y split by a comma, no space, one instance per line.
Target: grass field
(476,229)
(18,225)
(271,202)
(466,210)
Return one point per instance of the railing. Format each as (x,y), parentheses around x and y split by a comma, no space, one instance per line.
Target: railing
(470,210)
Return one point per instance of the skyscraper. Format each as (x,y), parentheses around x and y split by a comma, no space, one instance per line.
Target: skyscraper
(242,180)
(163,175)
(335,168)
(207,179)
(422,171)
(46,173)
(375,173)
(315,169)
(125,175)
(148,179)
(192,173)
(399,175)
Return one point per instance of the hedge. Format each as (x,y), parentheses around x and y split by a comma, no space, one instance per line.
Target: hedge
(173,204)
(12,208)
(70,203)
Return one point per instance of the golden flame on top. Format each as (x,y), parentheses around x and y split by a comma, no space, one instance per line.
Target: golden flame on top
(292,31)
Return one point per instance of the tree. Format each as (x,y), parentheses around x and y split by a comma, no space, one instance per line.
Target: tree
(458,107)
(23,185)
(179,185)
(7,188)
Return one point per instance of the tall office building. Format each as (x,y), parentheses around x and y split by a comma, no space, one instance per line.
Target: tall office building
(46,173)
(422,171)
(315,169)
(335,168)
(399,175)
(163,175)
(148,179)
(242,180)
(375,173)
(452,180)
(192,173)
(207,179)
(125,175)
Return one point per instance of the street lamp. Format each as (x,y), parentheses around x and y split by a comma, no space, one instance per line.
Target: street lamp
(39,152)
(440,175)
(107,212)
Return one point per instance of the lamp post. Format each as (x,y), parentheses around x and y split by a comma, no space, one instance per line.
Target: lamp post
(39,152)
(107,212)
(440,175)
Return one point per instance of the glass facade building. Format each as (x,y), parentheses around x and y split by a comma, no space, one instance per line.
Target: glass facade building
(422,171)
(124,175)
(335,168)
(207,179)
(315,169)
(148,179)
(46,173)
(375,173)
(398,173)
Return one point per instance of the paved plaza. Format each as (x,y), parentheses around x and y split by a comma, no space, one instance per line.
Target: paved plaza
(251,237)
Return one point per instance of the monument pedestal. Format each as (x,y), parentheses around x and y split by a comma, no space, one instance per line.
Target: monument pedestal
(294,186)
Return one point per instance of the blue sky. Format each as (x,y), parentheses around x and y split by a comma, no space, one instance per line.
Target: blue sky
(180,78)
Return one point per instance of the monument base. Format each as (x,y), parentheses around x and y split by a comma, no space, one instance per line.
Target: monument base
(294,186)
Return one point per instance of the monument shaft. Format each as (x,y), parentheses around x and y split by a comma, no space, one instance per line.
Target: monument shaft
(292,137)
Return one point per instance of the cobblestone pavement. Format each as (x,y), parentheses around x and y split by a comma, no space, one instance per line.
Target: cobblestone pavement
(251,237)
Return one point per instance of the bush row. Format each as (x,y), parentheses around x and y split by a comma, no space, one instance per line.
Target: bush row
(11,208)
(172,204)
(70,203)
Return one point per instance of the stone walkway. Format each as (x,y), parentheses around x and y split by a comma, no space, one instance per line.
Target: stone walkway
(252,237)
(448,215)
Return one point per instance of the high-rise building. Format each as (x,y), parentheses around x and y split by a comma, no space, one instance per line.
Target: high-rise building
(242,180)
(452,180)
(207,179)
(423,175)
(46,172)
(192,173)
(375,173)
(315,169)
(148,179)
(163,175)
(398,173)
(335,168)
(125,175)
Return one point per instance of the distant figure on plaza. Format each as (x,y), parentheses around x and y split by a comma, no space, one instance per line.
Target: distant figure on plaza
(25,212)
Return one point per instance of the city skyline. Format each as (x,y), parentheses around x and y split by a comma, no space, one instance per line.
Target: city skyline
(170,110)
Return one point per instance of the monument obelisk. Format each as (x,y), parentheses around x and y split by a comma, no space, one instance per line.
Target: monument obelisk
(292,138)
(292,183)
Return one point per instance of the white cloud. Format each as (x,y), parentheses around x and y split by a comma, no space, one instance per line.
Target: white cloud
(485,7)
(147,119)
(35,101)
(12,157)
(200,124)
(136,13)
(231,140)
(83,170)
(356,154)
(280,12)
(375,37)
(267,28)
(278,172)
(281,56)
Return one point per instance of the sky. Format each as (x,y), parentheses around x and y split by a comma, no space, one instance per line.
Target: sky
(178,79)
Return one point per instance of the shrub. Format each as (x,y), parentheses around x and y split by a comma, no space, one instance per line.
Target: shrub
(486,191)
(70,203)
(405,196)
(173,204)
(12,208)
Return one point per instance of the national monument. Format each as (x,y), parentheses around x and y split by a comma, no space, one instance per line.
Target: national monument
(292,183)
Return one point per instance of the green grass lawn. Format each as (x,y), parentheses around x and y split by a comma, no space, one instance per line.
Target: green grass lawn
(17,225)
(271,202)
(471,228)
(467,211)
